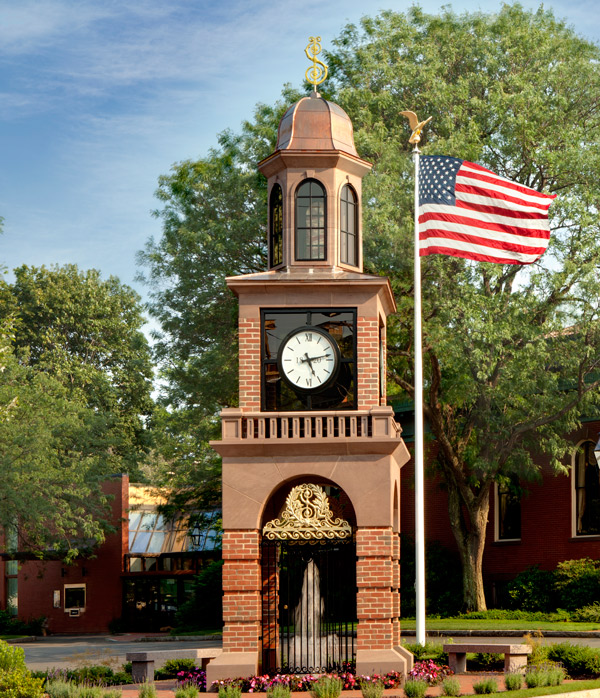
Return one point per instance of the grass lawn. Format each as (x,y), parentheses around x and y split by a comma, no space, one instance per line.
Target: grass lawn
(549,690)
(450,624)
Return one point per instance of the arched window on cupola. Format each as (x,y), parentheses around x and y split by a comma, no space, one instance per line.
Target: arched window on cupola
(348,226)
(311,240)
(276,226)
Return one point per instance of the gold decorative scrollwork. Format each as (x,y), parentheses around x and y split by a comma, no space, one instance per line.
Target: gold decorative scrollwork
(307,518)
(317,73)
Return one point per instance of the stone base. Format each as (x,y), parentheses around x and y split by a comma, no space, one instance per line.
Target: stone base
(383,661)
(231,665)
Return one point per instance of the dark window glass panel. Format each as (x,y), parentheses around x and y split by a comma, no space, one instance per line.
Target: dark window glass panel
(310,221)
(509,511)
(75,597)
(348,226)
(276,226)
(587,491)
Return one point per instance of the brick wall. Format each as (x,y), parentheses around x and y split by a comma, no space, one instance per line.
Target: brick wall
(367,348)
(250,363)
(241,591)
(377,581)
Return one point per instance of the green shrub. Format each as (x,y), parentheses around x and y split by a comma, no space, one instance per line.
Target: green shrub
(173,666)
(186,692)
(545,674)
(61,689)
(443,578)
(578,660)
(20,683)
(327,687)
(486,686)
(92,675)
(587,614)
(147,690)
(451,687)
(486,661)
(113,693)
(230,691)
(11,658)
(371,689)
(204,608)
(415,688)
(577,582)
(532,590)
(89,692)
(430,650)
(513,682)
(279,691)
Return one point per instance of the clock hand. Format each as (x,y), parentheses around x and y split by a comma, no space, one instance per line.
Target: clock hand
(309,362)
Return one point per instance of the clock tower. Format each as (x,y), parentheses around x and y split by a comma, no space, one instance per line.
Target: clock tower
(312,456)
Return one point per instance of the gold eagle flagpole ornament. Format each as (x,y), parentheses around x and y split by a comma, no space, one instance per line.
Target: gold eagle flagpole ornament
(317,73)
(416,126)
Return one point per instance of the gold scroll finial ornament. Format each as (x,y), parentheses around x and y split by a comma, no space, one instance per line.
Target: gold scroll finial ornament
(317,73)
(307,518)
(416,126)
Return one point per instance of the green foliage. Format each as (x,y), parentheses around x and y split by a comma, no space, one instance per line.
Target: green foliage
(19,683)
(12,658)
(186,692)
(430,650)
(451,686)
(148,690)
(443,579)
(78,379)
(115,693)
(545,674)
(59,688)
(415,688)
(172,666)
(513,682)
(587,614)
(486,661)
(89,692)
(577,582)
(204,608)
(578,660)
(371,689)
(280,691)
(486,686)
(230,691)
(327,687)
(532,590)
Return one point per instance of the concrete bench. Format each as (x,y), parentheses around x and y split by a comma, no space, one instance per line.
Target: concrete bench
(515,656)
(142,663)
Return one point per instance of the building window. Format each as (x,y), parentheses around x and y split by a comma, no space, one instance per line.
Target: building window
(11,572)
(74,596)
(587,491)
(310,221)
(508,499)
(348,227)
(276,226)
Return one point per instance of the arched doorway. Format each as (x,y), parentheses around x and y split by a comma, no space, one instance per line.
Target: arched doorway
(309,581)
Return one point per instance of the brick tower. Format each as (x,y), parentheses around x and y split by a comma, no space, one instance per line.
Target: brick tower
(312,419)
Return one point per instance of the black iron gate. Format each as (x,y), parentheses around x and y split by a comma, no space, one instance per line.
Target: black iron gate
(308,606)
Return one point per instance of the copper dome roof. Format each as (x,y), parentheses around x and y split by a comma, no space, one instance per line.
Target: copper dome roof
(313,123)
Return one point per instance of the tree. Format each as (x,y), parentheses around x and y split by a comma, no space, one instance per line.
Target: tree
(76,397)
(510,351)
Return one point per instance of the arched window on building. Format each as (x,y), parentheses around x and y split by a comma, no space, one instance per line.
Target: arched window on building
(587,491)
(276,226)
(310,221)
(348,226)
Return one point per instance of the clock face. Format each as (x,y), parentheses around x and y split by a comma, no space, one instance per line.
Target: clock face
(309,359)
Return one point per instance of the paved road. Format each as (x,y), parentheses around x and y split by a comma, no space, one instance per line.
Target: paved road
(69,652)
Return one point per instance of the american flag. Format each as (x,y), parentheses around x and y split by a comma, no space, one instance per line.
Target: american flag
(468,211)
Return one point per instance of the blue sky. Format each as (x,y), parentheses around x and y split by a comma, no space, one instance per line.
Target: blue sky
(100,97)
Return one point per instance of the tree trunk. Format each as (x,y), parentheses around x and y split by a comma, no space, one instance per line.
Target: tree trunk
(468,522)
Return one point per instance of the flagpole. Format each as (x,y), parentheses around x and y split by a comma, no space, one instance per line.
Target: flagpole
(419,459)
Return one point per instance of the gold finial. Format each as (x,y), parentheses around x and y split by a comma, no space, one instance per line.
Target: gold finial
(416,125)
(317,73)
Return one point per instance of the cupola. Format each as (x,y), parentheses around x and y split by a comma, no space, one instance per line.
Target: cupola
(314,189)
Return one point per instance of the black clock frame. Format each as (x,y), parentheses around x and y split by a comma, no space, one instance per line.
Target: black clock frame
(273,398)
